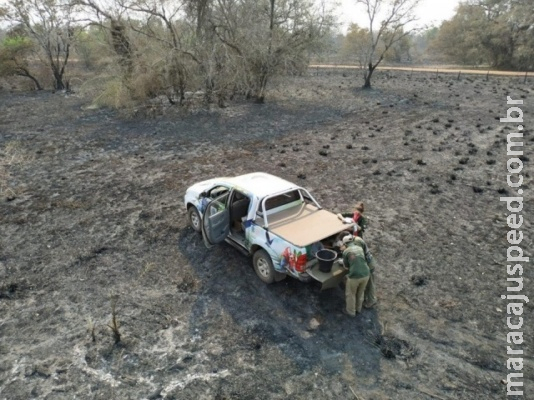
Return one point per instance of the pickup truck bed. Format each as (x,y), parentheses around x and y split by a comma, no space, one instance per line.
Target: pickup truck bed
(303,224)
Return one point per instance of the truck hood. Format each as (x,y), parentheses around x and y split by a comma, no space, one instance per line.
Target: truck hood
(195,190)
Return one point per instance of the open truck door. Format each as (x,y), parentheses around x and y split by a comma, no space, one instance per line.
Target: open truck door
(216,221)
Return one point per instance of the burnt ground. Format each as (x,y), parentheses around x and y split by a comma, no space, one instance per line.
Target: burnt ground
(91,213)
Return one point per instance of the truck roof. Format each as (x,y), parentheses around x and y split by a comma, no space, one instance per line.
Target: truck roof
(261,184)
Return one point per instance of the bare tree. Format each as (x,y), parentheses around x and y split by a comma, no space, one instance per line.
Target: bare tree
(270,35)
(200,10)
(109,17)
(48,23)
(392,29)
(165,26)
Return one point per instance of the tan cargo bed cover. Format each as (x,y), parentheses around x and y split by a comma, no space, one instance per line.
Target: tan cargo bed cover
(304,224)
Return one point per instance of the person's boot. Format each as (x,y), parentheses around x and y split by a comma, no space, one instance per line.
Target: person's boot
(370,304)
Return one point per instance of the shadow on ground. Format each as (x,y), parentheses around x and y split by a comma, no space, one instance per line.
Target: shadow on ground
(305,323)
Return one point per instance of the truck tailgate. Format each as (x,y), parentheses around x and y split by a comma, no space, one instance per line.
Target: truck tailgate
(328,279)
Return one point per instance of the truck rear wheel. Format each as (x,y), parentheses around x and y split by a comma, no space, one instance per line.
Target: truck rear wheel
(263,265)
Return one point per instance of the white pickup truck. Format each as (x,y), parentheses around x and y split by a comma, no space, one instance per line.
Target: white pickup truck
(277,222)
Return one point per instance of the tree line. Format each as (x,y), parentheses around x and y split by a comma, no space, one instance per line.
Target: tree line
(499,33)
(134,50)
(491,33)
(140,49)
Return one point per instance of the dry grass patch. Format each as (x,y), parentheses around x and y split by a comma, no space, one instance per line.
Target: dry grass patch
(69,204)
(13,155)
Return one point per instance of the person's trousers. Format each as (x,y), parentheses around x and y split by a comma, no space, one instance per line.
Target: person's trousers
(370,297)
(354,294)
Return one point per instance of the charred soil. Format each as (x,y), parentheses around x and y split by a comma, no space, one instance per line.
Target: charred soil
(95,243)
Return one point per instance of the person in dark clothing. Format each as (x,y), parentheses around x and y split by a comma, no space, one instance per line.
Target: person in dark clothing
(369,298)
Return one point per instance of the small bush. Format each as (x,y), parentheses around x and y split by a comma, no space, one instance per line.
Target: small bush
(115,95)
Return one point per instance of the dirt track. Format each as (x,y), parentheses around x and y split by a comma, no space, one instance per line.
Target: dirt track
(439,69)
(91,207)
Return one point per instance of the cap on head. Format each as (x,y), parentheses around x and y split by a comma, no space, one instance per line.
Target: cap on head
(348,239)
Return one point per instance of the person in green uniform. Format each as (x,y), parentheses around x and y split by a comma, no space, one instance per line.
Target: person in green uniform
(358,276)
(369,298)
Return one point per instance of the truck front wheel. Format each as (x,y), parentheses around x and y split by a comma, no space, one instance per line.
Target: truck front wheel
(263,265)
(194,219)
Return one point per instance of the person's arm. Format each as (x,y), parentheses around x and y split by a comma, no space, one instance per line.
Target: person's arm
(367,252)
(345,261)
(368,257)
